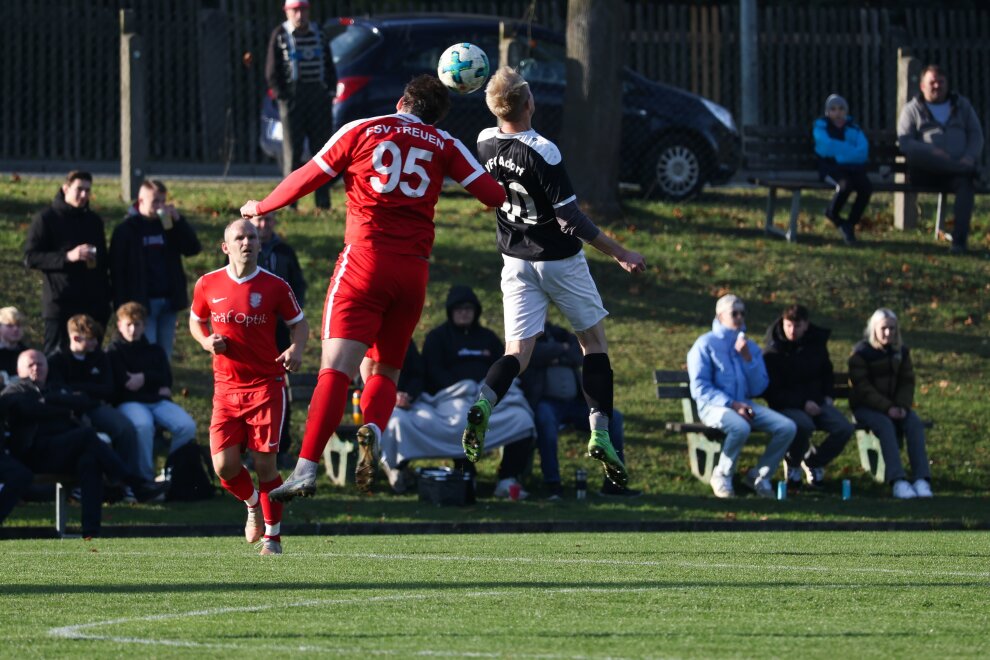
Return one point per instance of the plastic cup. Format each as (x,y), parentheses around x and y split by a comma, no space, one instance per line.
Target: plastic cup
(514,490)
(166,218)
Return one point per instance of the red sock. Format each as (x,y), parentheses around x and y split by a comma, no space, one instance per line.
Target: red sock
(378,400)
(325,412)
(241,486)
(271,510)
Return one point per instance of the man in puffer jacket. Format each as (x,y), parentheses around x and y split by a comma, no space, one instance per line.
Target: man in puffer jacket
(842,151)
(727,371)
(801,388)
(941,136)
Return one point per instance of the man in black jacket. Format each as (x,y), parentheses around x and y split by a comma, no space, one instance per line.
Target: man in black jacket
(301,76)
(47,437)
(146,252)
(67,243)
(462,349)
(84,370)
(801,381)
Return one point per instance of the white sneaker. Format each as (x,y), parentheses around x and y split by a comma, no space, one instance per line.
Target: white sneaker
(505,487)
(922,488)
(722,485)
(904,491)
(813,475)
(759,485)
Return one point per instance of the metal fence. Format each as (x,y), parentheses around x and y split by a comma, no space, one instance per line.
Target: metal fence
(205,64)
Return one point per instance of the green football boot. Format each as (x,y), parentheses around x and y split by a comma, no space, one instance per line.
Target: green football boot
(473,439)
(600,448)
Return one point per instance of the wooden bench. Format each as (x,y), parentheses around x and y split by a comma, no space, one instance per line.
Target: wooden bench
(784,159)
(705,443)
(339,456)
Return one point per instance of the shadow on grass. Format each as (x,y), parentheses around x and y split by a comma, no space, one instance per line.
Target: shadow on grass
(443,584)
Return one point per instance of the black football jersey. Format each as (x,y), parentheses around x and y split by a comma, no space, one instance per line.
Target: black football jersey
(536,184)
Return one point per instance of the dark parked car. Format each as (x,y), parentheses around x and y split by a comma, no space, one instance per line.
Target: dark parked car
(673,142)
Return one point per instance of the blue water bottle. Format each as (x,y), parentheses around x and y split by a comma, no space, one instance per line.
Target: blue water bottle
(846,489)
(782,489)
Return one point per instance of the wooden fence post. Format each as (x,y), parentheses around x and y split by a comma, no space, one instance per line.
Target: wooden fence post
(133,114)
(749,62)
(214,88)
(908,72)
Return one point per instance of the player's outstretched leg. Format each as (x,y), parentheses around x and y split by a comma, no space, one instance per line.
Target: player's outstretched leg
(600,448)
(368,438)
(326,410)
(496,384)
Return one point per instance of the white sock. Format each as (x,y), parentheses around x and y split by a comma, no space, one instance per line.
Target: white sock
(305,468)
(273,530)
(253,500)
(598,421)
(488,394)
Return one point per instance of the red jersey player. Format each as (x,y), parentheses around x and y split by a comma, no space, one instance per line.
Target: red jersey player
(393,168)
(233,317)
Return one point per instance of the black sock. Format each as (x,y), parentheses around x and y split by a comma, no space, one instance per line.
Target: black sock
(596,378)
(500,376)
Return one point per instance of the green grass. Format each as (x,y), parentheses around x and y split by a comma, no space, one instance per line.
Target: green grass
(552,596)
(696,251)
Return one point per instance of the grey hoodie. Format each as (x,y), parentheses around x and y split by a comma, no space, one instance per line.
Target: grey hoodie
(918,134)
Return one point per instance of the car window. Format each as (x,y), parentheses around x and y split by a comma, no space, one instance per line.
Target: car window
(544,63)
(422,53)
(351,43)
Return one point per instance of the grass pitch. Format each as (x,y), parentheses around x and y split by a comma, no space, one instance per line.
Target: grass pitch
(547,596)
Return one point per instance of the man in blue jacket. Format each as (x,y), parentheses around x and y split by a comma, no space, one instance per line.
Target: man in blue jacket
(727,371)
(842,151)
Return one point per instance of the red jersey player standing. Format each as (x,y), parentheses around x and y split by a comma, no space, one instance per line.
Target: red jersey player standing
(393,168)
(234,314)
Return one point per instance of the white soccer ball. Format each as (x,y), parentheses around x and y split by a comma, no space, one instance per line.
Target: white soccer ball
(463,68)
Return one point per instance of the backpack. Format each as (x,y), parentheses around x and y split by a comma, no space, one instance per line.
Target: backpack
(190,473)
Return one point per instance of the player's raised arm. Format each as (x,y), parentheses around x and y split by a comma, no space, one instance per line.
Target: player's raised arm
(468,172)
(297,185)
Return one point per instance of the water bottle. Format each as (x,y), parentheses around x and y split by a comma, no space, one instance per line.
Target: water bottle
(356,407)
(782,489)
(581,484)
(846,489)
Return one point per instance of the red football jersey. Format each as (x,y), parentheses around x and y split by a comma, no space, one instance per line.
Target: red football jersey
(393,168)
(245,311)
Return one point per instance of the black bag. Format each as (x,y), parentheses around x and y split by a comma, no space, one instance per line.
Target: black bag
(190,473)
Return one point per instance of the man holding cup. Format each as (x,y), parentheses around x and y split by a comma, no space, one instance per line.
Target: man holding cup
(146,252)
(67,243)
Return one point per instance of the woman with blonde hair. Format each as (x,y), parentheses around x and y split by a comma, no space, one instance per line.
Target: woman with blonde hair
(882,379)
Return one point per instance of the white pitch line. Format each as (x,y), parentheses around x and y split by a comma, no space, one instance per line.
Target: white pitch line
(570,561)
(76,631)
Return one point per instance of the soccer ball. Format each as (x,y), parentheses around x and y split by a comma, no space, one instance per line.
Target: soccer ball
(463,68)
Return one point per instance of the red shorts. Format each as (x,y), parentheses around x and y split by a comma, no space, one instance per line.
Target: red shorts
(376,298)
(249,419)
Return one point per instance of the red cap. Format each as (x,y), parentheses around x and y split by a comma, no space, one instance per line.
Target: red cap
(292,4)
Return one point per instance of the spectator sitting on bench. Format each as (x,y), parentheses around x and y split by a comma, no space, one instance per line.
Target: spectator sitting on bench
(15,480)
(143,387)
(552,384)
(456,357)
(941,136)
(801,383)
(84,369)
(842,151)
(11,342)
(726,371)
(882,379)
(46,435)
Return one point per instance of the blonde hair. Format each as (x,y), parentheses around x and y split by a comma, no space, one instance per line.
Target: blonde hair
(506,94)
(870,334)
(11,316)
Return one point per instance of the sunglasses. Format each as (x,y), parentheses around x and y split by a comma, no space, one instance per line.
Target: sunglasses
(738,312)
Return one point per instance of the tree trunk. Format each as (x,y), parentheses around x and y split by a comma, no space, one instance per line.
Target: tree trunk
(593,104)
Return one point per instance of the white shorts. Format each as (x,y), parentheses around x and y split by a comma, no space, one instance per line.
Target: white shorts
(529,286)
